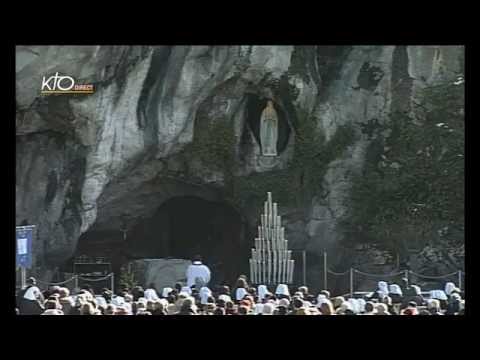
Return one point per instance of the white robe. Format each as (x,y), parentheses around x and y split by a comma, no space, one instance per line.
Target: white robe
(197,269)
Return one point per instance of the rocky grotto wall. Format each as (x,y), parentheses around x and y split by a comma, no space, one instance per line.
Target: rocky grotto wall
(172,121)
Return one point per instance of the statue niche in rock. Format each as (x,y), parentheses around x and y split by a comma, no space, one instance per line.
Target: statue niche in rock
(269,130)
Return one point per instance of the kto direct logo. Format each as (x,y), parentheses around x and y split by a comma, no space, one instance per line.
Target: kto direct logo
(57,84)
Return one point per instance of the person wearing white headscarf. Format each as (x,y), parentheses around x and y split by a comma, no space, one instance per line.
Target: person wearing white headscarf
(345,308)
(361,305)
(150,293)
(395,293)
(262,291)
(166,291)
(240,293)
(355,305)
(225,298)
(449,287)
(282,289)
(118,301)
(382,288)
(321,299)
(205,293)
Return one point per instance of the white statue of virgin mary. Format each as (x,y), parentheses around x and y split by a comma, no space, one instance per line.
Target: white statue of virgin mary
(269,130)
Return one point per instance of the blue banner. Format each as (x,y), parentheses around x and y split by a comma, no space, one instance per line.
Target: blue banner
(24,235)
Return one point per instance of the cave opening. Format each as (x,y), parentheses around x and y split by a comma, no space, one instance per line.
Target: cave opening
(180,228)
(254,107)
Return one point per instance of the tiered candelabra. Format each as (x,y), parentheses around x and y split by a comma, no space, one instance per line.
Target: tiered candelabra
(271,261)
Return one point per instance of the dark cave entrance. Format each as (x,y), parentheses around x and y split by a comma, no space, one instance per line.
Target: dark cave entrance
(180,228)
(187,225)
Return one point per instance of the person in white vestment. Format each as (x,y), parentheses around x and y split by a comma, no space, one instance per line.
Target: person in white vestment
(198,274)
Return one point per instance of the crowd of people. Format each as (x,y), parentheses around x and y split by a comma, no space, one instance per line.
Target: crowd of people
(243,299)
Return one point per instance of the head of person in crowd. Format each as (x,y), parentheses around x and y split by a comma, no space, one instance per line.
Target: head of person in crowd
(51,308)
(326,293)
(303,311)
(51,305)
(121,310)
(284,302)
(299,294)
(297,303)
(171,299)
(382,309)
(387,300)
(369,308)
(178,286)
(410,311)
(454,304)
(150,305)
(87,309)
(433,306)
(268,309)
(110,310)
(282,290)
(240,293)
(342,309)
(304,291)
(382,288)
(282,310)
(219,311)
(243,310)
(326,307)
(208,309)
(337,301)
(224,290)
(449,287)
(241,283)
(171,309)
(395,289)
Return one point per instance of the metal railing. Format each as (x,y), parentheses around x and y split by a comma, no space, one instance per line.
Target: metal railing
(406,274)
(75,279)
